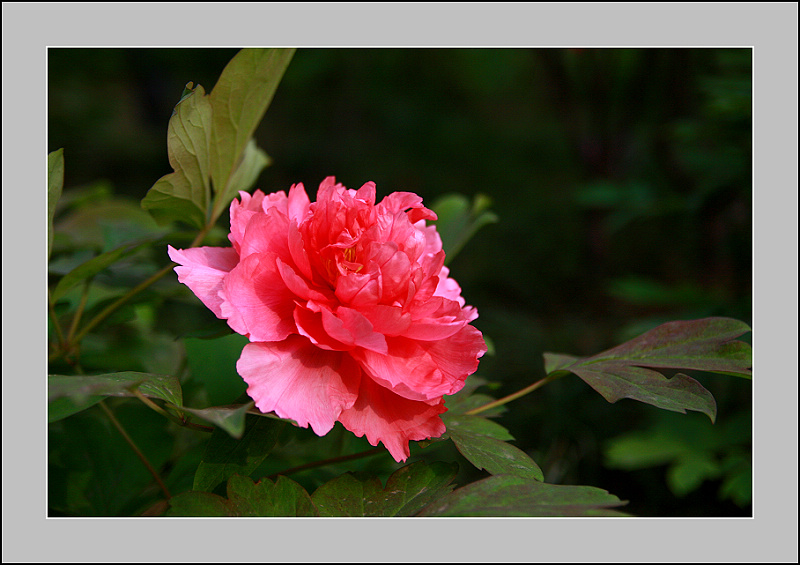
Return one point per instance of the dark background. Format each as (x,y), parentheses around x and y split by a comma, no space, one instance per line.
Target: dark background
(621,179)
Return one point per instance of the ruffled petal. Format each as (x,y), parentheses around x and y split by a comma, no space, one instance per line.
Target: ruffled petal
(298,202)
(203,270)
(425,370)
(257,302)
(392,420)
(267,233)
(298,380)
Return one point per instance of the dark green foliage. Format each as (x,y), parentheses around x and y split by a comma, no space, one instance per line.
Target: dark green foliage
(621,199)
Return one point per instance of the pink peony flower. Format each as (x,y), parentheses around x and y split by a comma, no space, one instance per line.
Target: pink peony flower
(349,309)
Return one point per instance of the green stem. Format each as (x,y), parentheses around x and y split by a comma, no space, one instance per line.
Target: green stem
(111,308)
(79,312)
(330,461)
(54,319)
(181,421)
(513,396)
(136,450)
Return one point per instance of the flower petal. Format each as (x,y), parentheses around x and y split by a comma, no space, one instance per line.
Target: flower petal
(425,370)
(297,380)
(267,233)
(393,420)
(298,202)
(203,270)
(257,302)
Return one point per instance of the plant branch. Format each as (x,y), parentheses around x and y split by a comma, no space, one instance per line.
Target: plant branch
(79,312)
(331,461)
(54,319)
(513,396)
(136,450)
(111,308)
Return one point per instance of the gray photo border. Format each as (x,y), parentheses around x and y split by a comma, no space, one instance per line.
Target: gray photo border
(770,28)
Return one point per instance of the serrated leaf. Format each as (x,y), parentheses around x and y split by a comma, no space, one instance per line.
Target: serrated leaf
(93,266)
(458,221)
(185,193)
(239,100)
(625,371)
(407,490)
(83,391)
(284,498)
(481,442)
(226,456)
(198,504)
(55,184)
(509,495)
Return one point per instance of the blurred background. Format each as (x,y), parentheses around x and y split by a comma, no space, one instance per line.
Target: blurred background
(621,179)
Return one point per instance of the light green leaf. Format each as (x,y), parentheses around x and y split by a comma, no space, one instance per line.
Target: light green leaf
(229,418)
(643,449)
(407,490)
(253,162)
(239,100)
(510,495)
(625,371)
(225,456)
(458,221)
(82,391)
(481,441)
(55,184)
(688,473)
(185,193)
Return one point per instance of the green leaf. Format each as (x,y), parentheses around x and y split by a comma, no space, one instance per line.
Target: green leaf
(624,371)
(210,142)
(55,184)
(226,456)
(92,469)
(230,418)
(104,224)
(284,497)
(83,391)
(467,399)
(252,163)
(688,473)
(643,449)
(239,100)
(458,221)
(213,363)
(407,491)
(693,451)
(93,266)
(509,495)
(185,193)
(199,504)
(481,442)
